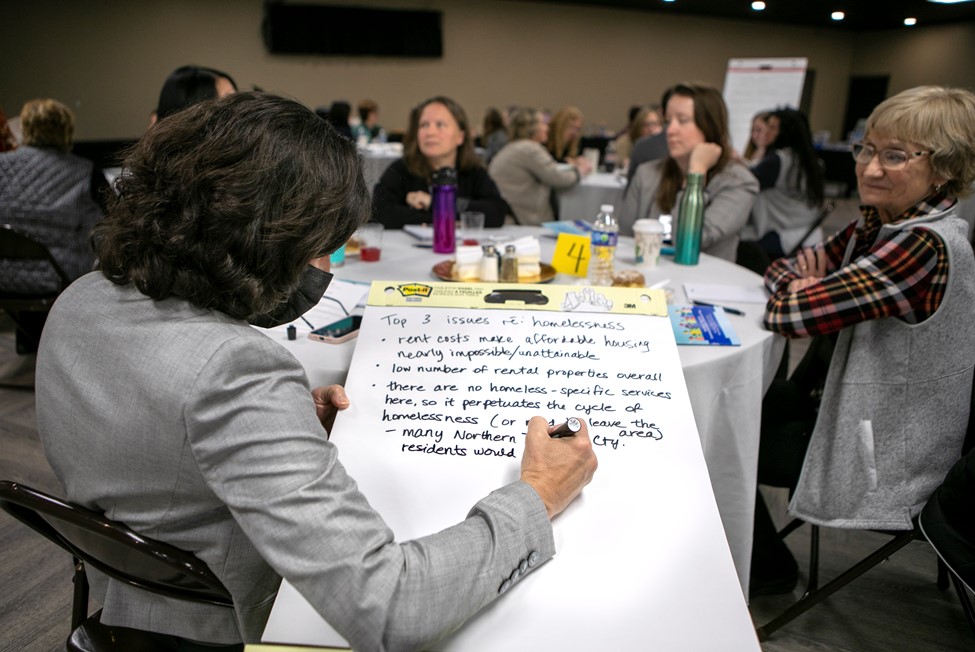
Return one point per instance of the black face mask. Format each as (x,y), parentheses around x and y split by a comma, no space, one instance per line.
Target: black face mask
(309,292)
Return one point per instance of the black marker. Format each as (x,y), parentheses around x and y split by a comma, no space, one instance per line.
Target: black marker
(567,429)
(730,311)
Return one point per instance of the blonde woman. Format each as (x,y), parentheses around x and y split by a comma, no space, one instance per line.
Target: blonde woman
(526,174)
(564,134)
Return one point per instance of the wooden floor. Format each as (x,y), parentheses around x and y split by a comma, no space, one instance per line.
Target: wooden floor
(894,607)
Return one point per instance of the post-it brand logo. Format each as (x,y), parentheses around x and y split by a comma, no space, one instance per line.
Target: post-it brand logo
(415,290)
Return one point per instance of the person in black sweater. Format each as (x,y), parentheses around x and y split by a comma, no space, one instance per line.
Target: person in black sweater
(438,136)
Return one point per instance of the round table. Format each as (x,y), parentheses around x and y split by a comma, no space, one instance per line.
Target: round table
(725,383)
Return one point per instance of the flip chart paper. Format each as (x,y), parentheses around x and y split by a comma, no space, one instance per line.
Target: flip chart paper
(440,401)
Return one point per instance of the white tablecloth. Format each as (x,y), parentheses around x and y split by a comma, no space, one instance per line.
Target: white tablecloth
(582,201)
(376,157)
(726,384)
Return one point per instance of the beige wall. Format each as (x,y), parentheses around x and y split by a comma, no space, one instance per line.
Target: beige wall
(108,58)
(936,55)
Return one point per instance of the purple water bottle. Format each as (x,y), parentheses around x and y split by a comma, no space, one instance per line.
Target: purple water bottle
(444,204)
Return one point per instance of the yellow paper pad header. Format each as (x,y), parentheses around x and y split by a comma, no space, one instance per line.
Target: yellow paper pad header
(519,296)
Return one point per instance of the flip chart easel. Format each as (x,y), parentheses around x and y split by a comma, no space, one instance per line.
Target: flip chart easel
(443,381)
(755,85)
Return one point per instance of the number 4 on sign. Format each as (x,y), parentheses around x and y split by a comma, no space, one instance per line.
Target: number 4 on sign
(571,254)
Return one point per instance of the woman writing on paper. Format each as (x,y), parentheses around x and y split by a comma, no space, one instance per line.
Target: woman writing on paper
(209,437)
(897,287)
(439,136)
(696,121)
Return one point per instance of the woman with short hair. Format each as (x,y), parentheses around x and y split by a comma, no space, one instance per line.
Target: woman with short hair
(527,174)
(53,196)
(897,287)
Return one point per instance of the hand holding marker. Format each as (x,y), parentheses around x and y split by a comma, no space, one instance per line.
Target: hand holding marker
(571,426)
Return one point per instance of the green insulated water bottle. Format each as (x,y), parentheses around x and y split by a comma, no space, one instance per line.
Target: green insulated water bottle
(690,219)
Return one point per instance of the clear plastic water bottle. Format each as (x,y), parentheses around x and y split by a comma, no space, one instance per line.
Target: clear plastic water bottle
(605,230)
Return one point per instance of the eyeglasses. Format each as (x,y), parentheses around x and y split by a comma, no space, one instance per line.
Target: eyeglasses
(890,159)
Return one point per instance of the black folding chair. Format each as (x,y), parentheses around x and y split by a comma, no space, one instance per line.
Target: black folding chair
(948,523)
(17,248)
(827,209)
(118,552)
(815,594)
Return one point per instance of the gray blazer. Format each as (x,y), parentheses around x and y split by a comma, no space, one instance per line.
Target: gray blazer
(198,430)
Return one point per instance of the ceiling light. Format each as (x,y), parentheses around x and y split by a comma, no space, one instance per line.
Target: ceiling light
(910,22)
(758,6)
(837,15)
(948,2)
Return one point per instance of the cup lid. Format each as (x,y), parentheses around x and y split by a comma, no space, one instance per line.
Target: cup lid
(648,226)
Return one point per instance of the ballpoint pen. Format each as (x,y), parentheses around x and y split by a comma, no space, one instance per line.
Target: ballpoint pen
(730,311)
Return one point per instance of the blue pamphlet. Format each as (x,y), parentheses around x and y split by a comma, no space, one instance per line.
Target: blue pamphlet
(702,325)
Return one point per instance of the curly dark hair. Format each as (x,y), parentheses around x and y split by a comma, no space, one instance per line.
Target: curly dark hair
(225,203)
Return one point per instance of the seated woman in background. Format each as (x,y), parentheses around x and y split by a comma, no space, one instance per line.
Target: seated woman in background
(337,115)
(697,143)
(564,134)
(898,287)
(646,122)
(188,85)
(790,180)
(438,137)
(494,135)
(526,173)
(368,129)
(762,134)
(53,196)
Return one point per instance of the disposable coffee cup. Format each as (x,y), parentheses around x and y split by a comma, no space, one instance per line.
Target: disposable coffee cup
(592,155)
(648,238)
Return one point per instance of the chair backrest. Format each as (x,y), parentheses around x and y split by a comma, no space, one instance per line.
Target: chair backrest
(113,548)
(823,214)
(16,245)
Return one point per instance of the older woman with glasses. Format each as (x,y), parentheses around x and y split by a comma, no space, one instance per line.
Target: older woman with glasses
(897,289)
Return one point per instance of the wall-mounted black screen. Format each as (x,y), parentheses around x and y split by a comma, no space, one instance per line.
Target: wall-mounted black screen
(351,31)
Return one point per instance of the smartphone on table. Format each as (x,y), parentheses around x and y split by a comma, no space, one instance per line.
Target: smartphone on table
(339,331)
